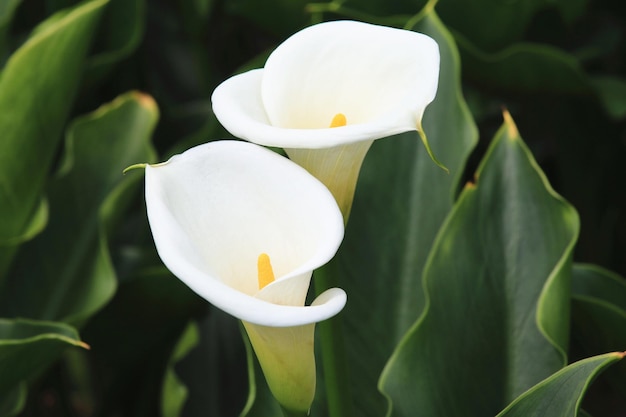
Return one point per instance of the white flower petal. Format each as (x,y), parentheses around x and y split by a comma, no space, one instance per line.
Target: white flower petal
(380,78)
(215,208)
(288,361)
(287,358)
(337,168)
(361,70)
(237,105)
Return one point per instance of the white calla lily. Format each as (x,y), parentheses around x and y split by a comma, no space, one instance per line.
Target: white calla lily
(334,87)
(244,228)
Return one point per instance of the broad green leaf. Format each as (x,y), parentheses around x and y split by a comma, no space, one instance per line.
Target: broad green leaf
(493,25)
(7,9)
(34,104)
(560,394)
(12,403)
(27,347)
(401,200)
(174,391)
(120,34)
(524,67)
(215,372)
(133,337)
(497,286)
(595,284)
(73,275)
(75,368)
(598,323)
(612,94)
(200,115)
(177,67)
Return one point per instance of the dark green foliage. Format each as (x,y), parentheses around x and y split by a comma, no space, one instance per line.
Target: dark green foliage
(460,285)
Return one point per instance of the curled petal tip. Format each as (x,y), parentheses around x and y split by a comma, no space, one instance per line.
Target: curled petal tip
(347,65)
(135,166)
(215,208)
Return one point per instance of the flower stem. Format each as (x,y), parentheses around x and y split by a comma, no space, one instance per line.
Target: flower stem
(333,351)
(291,413)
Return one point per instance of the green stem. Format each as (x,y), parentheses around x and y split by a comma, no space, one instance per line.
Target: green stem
(333,351)
(290,413)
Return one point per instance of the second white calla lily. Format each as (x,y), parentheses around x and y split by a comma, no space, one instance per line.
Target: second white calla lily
(244,228)
(334,87)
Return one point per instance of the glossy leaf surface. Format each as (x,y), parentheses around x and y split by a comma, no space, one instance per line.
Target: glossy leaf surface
(598,323)
(27,347)
(560,395)
(13,401)
(612,92)
(525,67)
(493,25)
(132,372)
(33,108)
(119,35)
(7,10)
(557,65)
(174,391)
(497,285)
(73,274)
(401,200)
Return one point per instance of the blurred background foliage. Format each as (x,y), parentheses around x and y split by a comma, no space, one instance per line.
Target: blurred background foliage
(139,74)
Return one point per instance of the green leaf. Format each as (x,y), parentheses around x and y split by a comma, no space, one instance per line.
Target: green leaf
(594,284)
(174,391)
(612,94)
(33,108)
(497,287)
(560,395)
(598,323)
(133,337)
(73,275)
(7,9)
(525,68)
(12,403)
(493,25)
(121,32)
(27,347)
(215,372)
(401,200)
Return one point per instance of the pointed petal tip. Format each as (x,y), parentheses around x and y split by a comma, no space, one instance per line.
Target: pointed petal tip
(258,105)
(429,150)
(337,296)
(134,166)
(325,306)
